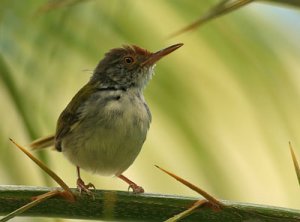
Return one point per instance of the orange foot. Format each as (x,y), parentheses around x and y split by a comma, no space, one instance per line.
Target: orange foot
(135,188)
(82,187)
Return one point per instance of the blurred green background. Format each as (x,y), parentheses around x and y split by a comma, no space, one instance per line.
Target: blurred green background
(224,106)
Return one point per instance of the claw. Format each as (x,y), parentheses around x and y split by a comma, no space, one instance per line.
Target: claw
(136,189)
(82,187)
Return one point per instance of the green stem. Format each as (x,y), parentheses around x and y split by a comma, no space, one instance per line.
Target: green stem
(125,206)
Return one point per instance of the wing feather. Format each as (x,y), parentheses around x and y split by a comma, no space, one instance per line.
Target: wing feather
(71,114)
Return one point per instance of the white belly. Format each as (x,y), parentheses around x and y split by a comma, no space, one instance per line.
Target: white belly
(109,139)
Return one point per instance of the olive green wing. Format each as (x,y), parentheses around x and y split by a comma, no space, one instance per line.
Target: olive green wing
(71,115)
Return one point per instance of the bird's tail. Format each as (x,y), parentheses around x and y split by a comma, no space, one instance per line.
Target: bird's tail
(42,143)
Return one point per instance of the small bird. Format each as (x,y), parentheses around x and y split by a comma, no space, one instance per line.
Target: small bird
(103,128)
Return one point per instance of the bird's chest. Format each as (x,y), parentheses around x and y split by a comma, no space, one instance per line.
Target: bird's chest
(122,114)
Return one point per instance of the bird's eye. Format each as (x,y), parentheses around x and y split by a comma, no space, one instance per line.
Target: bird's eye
(128,60)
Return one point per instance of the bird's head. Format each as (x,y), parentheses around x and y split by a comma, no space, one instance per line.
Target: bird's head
(129,66)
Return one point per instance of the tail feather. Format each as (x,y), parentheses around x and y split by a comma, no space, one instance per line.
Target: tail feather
(42,143)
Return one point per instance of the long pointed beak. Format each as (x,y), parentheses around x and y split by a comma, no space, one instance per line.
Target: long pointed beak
(154,57)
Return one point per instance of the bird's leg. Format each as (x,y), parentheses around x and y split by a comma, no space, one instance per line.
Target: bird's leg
(135,188)
(80,184)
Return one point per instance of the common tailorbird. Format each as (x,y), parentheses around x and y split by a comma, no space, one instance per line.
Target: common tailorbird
(103,128)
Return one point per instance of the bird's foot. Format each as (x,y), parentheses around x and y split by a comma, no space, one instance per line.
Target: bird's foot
(82,187)
(135,188)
